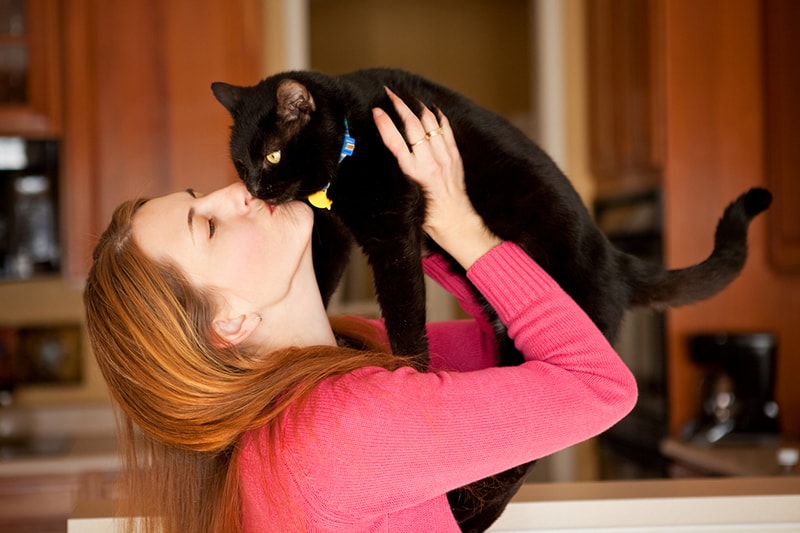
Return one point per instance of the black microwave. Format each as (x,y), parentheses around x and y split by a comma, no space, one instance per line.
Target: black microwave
(29,230)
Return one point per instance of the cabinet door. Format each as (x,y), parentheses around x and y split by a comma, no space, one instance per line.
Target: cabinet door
(625,71)
(30,81)
(782,129)
(140,117)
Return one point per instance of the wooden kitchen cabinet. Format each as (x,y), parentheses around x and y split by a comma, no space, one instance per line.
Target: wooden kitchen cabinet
(30,68)
(42,503)
(699,100)
(125,87)
(782,129)
(139,115)
(626,101)
(721,95)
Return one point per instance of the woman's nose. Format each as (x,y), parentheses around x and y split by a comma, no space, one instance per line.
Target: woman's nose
(235,196)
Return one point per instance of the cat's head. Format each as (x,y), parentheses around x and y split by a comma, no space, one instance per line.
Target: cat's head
(283,144)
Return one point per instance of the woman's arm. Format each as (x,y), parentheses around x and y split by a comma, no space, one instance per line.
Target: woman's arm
(378,441)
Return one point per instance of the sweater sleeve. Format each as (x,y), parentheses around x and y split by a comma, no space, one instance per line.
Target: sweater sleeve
(374,441)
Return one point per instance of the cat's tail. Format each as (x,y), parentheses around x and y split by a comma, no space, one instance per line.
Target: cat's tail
(669,288)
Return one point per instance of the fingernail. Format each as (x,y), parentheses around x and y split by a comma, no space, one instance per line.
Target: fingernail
(377,112)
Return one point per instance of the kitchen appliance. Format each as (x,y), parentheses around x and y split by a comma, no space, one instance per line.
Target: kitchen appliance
(737,390)
(29,232)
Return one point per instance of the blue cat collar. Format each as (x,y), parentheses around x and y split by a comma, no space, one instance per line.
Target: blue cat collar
(348,145)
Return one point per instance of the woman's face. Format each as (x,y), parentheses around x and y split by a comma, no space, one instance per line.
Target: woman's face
(247,251)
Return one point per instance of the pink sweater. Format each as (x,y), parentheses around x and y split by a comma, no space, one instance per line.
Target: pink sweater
(377,450)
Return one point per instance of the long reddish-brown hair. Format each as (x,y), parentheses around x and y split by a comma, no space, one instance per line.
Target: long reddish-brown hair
(183,400)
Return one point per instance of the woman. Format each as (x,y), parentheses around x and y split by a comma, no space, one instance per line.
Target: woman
(251,412)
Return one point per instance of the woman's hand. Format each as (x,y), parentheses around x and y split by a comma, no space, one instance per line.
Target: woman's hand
(431,158)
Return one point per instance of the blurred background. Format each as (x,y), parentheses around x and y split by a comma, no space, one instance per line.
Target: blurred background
(661,112)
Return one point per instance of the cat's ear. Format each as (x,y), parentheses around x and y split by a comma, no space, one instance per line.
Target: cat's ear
(228,95)
(294,101)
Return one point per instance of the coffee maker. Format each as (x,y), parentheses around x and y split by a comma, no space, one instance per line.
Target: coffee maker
(737,390)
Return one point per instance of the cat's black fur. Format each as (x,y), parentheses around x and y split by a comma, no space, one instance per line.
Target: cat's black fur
(517,189)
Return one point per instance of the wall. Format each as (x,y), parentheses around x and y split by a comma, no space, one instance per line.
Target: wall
(487,50)
(484,52)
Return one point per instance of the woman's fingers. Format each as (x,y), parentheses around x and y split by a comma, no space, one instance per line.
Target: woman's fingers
(415,132)
(393,139)
(448,137)
(434,135)
(427,153)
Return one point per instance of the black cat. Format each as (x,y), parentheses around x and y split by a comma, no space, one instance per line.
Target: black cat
(297,133)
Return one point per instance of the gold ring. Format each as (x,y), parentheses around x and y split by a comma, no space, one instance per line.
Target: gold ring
(423,140)
(434,133)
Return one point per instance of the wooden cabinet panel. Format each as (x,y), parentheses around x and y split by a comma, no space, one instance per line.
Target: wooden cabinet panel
(715,151)
(39,115)
(701,98)
(625,71)
(140,116)
(782,129)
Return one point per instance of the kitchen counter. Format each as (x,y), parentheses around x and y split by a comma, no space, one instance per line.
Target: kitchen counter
(80,454)
(57,440)
(51,458)
(741,505)
(726,459)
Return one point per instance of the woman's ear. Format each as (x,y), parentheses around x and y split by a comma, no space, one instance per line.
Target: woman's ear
(237,329)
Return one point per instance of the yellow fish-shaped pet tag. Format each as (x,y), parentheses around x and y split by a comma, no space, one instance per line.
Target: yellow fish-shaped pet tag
(320,199)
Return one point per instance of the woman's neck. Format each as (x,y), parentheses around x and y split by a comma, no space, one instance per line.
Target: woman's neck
(300,321)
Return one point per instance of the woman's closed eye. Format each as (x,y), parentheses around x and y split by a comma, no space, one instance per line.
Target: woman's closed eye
(212,225)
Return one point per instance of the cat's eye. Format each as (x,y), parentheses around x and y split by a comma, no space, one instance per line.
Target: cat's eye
(212,228)
(274,157)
